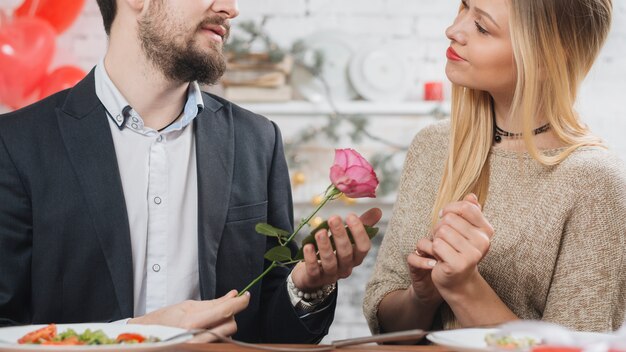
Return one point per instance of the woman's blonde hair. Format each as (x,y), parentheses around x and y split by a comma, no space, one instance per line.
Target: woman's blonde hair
(555,43)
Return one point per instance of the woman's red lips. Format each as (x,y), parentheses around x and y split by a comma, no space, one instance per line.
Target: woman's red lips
(452,55)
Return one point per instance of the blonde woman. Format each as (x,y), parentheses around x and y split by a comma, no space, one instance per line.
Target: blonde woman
(513,209)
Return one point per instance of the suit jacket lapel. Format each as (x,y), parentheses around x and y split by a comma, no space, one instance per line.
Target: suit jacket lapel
(85,130)
(215,154)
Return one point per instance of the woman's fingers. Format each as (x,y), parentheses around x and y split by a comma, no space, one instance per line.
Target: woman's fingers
(472,213)
(421,263)
(475,236)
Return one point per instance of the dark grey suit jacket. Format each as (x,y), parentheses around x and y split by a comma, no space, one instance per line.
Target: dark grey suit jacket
(65,252)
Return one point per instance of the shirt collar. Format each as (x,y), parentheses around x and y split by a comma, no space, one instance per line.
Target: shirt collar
(123,115)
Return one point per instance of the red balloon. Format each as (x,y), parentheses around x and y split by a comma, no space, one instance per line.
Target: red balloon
(59,13)
(62,78)
(26,49)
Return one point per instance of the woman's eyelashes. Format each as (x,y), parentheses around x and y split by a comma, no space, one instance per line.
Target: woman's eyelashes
(480,29)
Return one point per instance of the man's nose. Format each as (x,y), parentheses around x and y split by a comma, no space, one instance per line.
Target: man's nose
(228,8)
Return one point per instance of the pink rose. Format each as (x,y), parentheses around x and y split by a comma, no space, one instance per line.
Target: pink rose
(353,175)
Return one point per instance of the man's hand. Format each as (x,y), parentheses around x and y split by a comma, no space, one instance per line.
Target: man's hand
(311,275)
(217,315)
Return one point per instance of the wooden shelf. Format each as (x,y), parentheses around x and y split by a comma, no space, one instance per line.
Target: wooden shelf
(305,108)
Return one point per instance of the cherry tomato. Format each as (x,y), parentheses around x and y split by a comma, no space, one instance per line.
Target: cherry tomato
(38,336)
(130,338)
(547,348)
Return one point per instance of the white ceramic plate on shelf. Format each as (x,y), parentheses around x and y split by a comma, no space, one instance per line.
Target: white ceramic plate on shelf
(380,73)
(337,53)
(10,335)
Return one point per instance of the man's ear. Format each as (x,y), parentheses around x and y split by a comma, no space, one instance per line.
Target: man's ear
(135,5)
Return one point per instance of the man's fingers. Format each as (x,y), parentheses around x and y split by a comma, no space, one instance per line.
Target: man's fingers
(229,295)
(327,255)
(227,329)
(343,246)
(311,264)
(212,313)
(362,243)
(371,217)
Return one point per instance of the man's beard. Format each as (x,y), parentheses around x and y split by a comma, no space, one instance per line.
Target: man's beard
(172,48)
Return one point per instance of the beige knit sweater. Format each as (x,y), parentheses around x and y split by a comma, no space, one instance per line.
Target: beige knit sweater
(559,249)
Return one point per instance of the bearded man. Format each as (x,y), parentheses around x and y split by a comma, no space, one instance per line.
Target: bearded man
(133,196)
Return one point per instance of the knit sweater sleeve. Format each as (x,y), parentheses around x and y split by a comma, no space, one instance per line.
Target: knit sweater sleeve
(418,185)
(588,289)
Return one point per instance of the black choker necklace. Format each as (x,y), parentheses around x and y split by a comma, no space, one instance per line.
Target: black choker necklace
(498,133)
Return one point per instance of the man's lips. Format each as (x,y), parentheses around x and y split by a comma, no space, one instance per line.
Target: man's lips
(452,55)
(217,30)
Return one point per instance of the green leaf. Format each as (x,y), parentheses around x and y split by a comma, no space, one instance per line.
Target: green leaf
(278,254)
(310,239)
(271,231)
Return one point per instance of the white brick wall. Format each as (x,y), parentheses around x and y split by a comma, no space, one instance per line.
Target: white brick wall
(417,26)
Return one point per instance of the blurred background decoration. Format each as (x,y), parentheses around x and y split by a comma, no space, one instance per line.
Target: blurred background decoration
(321,69)
(28,32)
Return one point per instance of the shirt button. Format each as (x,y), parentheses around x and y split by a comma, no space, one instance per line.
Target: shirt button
(156,268)
(135,119)
(134,125)
(160,138)
(119,118)
(157,200)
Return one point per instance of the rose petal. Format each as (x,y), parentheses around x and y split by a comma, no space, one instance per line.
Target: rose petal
(341,158)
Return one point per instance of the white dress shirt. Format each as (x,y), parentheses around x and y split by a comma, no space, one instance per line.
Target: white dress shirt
(160,184)
(159,179)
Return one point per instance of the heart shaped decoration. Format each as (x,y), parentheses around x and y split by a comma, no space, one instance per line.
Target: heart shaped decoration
(26,49)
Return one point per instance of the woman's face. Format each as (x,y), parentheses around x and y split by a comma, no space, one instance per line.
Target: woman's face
(480,54)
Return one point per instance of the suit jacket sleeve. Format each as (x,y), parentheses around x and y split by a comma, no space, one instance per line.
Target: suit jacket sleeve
(15,243)
(282,322)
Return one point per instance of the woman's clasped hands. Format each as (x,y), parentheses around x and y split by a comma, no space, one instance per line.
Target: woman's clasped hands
(447,262)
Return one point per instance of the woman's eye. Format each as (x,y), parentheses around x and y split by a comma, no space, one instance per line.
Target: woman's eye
(479,28)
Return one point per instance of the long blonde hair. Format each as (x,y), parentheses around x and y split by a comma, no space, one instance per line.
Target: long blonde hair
(555,43)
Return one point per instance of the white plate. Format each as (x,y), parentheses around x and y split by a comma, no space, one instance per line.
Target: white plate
(337,53)
(465,340)
(10,335)
(380,73)
(473,340)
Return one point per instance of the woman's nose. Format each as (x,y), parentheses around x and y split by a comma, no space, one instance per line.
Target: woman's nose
(456,32)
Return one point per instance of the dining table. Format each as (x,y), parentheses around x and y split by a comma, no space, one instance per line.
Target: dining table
(226,347)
